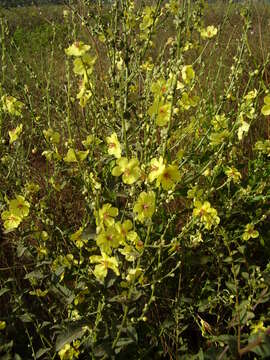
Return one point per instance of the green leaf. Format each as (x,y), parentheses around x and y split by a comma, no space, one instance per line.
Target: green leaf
(262,350)
(26,318)
(103,350)
(89,233)
(41,352)
(132,333)
(21,250)
(17,357)
(36,274)
(122,342)
(4,290)
(6,348)
(68,336)
(231,286)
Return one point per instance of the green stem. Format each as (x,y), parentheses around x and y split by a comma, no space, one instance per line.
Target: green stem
(126,308)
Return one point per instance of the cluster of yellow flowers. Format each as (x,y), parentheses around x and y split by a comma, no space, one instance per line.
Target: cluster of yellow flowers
(165,175)
(70,351)
(113,235)
(206,214)
(82,66)
(12,105)
(18,209)
(147,22)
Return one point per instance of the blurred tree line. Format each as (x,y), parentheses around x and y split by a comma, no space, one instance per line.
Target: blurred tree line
(14,3)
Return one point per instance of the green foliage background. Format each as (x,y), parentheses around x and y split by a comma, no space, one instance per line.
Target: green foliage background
(12,3)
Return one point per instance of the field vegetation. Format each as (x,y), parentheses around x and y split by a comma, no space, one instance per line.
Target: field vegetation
(134,181)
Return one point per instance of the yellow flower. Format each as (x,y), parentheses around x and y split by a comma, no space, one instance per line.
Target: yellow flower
(217,138)
(11,221)
(147,65)
(15,133)
(233,174)
(77,49)
(2,325)
(266,108)
(19,206)
(196,239)
(220,122)
(32,188)
(51,155)
(106,215)
(114,147)
(208,32)
(129,253)
(251,95)
(68,353)
(145,206)
(163,114)
(250,232)
(75,156)
(77,238)
(188,73)
(263,146)
(12,105)
(65,13)
(173,6)
(206,213)
(148,20)
(104,263)
(160,110)
(84,65)
(108,239)
(91,140)
(133,274)
(258,327)
(135,240)
(159,87)
(42,251)
(124,229)
(129,169)
(169,177)
(188,101)
(156,168)
(85,92)
(243,128)
(63,261)
(39,292)
(195,192)
(52,136)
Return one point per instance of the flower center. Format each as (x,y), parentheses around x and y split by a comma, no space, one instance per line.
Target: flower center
(109,237)
(166,175)
(140,243)
(162,111)
(202,212)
